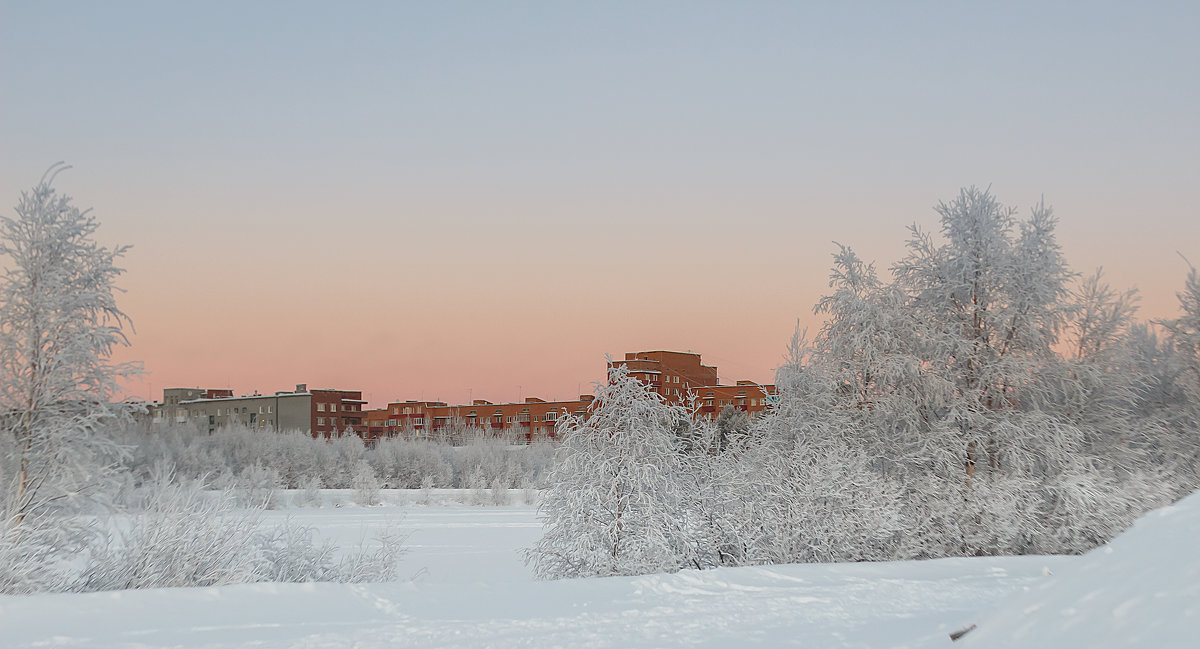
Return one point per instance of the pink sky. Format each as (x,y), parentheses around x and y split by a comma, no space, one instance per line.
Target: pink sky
(456,200)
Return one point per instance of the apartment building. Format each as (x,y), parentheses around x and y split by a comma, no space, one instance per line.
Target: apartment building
(170,410)
(670,374)
(674,374)
(321,413)
(532,418)
(747,396)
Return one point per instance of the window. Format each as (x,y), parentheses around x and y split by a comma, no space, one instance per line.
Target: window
(395,411)
(320,421)
(269,410)
(551,416)
(320,407)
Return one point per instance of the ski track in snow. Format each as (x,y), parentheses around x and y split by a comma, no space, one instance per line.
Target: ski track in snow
(472,590)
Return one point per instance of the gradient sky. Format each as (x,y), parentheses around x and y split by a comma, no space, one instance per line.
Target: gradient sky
(447,200)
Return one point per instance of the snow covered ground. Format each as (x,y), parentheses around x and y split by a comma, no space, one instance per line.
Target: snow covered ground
(467,586)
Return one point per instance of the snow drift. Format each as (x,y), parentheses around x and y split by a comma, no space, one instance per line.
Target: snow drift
(1140,590)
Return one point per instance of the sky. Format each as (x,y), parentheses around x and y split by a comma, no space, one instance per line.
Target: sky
(480,200)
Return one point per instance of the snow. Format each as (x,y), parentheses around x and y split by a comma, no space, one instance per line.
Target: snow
(1140,590)
(467,586)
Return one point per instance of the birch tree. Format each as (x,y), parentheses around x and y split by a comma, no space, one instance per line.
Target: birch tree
(59,324)
(616,505)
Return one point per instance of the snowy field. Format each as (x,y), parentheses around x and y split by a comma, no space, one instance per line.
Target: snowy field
(466,585)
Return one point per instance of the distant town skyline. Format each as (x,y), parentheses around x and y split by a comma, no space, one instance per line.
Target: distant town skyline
(462,200)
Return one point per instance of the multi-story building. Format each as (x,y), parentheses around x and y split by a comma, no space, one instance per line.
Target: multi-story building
(673,375)
(170,410)
(531,418)
(747,396)
(321,413)
(670,374)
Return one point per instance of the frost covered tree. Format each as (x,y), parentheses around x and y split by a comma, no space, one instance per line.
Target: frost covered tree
(59,324)
(615,505)
(1176,382)
(1184,331)
(819,493)
(949,381)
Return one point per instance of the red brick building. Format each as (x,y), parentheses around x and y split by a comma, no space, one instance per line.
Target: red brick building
(532,418)
(673,374)
(333,411)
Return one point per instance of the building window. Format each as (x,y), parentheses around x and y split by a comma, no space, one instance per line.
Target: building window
(320,407)
(320,421)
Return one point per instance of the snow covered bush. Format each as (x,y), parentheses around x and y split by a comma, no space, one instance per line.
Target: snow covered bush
(366,485)
(373,565)
(190,537)
(185,536)
(615,505)
(296,458)
(257,486)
